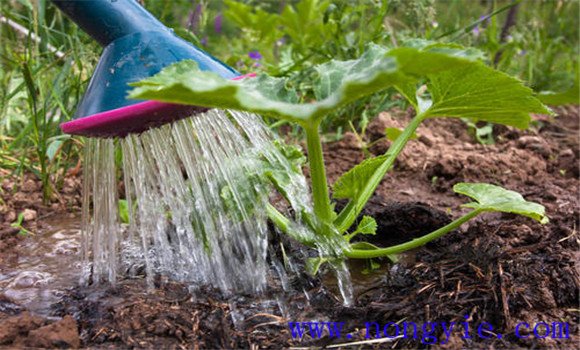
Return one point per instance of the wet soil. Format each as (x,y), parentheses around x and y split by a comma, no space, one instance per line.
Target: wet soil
(499,268)
(39,268)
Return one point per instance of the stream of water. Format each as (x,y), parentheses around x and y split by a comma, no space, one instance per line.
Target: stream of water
(196,211)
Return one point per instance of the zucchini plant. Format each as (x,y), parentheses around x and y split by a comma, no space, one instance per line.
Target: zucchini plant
(438,80)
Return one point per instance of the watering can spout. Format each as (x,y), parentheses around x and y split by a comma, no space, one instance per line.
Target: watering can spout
(136,46)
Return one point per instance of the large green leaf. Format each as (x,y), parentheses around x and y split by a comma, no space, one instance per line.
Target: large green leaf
(494,198)
(478,92)
(460,86)
(339,83)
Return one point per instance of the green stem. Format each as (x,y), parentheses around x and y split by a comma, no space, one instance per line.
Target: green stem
(350,236)
(371,144)
(415,243)
(285,225)
(349,214)
(320,195)
(278,123)
(282,222)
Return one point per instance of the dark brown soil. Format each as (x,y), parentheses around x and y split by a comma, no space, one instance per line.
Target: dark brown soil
(399,222)
(499,268)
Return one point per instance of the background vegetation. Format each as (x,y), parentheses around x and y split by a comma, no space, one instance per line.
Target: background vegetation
(46,61)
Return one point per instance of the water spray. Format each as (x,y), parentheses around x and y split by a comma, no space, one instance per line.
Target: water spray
(185,168)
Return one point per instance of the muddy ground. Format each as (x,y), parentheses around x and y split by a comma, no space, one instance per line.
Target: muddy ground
(500,268)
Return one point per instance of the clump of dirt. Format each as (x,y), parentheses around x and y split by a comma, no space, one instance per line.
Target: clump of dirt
(8,242)
(399,222)
(26,330)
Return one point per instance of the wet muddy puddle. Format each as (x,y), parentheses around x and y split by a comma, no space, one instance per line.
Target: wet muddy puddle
(48,264)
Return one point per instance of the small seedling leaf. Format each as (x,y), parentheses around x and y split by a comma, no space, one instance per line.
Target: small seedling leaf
(19,221)
(353,181)
(367,226)
(292,153)
(372,265)
(494,198)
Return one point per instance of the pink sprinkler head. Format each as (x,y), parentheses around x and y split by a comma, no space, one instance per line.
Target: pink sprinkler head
(134,118)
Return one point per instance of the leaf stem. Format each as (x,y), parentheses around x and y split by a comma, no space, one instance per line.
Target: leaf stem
(415,243)
(285,225)
(350,236)
(318,180)
(349,214)
(282,222)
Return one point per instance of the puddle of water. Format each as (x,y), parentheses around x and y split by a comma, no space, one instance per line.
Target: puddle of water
(48,263)
(363,278)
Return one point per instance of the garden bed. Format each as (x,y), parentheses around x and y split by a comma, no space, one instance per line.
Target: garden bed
(500,268)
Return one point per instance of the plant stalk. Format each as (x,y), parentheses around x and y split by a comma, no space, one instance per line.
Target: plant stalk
(318,181)
(415,243)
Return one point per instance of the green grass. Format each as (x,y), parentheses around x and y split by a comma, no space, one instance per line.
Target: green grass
(45,65)
(541,48)
(46,61)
